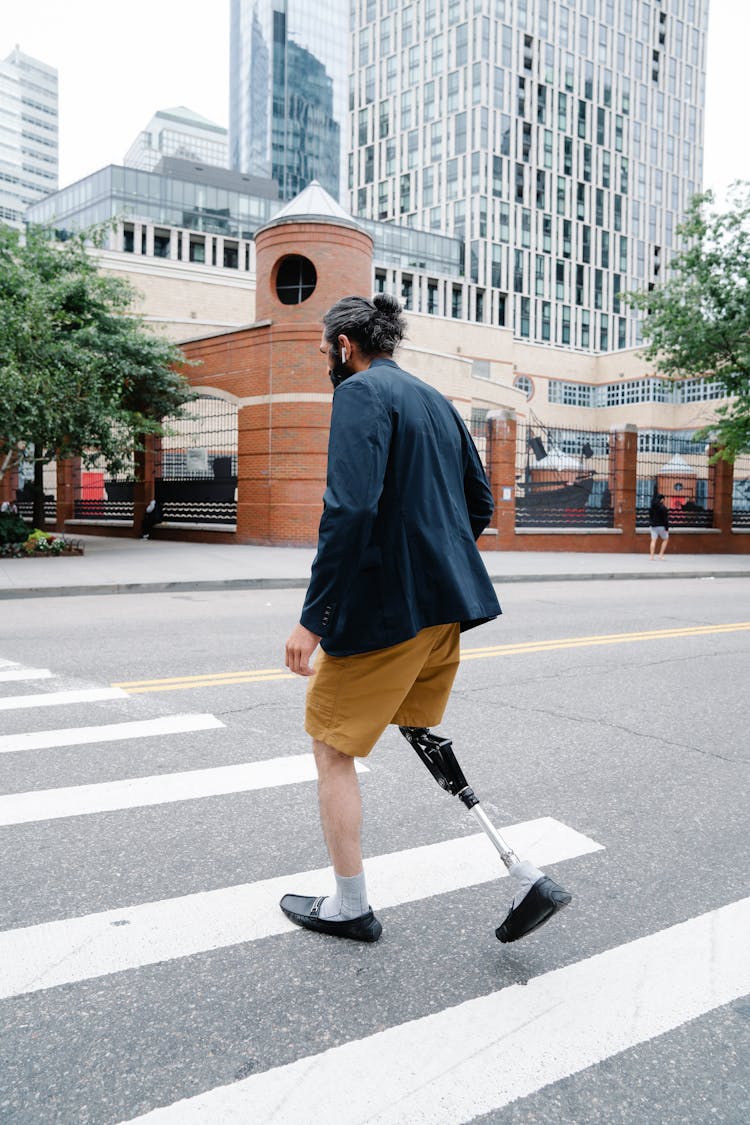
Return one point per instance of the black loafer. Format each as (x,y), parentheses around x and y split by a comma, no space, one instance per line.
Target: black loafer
(305,911)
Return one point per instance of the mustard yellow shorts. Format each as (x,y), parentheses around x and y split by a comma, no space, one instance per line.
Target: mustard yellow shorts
(352,699)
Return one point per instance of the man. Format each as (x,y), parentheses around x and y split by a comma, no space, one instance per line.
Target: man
(396,577)
(658,518)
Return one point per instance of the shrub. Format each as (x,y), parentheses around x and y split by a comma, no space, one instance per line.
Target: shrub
(12,528)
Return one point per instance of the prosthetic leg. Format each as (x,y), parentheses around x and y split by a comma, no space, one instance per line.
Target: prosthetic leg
(538,897)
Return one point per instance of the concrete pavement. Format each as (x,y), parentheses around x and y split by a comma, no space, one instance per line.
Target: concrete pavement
(112,565)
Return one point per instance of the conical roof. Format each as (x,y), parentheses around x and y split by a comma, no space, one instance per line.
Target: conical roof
(558,460)
(678,467)
(313,204)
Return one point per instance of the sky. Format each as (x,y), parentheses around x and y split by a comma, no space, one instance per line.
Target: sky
(119,63)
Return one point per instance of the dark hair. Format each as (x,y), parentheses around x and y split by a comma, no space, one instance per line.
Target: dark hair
(377,325)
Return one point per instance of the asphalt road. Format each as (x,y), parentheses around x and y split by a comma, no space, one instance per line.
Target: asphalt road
(617,710)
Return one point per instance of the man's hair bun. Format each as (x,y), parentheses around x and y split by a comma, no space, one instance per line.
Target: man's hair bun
(377,325)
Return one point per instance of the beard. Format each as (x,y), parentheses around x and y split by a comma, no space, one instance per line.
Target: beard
(339,372)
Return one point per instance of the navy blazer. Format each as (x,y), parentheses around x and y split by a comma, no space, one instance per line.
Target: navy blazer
(406,499)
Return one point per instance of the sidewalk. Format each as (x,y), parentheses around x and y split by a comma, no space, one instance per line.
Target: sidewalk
(119,566)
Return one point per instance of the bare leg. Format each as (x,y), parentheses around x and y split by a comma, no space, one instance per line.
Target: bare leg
(663,548)
(652,547)
(340,808)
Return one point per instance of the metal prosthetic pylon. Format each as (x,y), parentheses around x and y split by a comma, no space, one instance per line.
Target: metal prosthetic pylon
(539,896)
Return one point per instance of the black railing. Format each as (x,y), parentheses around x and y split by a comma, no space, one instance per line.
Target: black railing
(479,429)
(741,492)
(681,477)
(196,465)
(564,478)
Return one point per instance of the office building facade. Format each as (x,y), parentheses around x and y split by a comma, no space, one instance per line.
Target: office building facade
(182,133)
(560,141)
(28,134)
(289,65)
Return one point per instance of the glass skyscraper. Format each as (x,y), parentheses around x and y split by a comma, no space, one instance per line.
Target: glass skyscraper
(561,140)
(28,134)
(178,132)
(289,66)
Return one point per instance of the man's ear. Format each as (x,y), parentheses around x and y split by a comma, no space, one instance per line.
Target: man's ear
(345,348)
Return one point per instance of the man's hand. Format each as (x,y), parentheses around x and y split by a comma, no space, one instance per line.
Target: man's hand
(299,648)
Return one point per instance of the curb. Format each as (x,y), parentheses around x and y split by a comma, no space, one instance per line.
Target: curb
(302,583)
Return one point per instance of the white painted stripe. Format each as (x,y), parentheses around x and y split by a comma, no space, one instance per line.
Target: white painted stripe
(160,789)
(25,674)
(108,732)
(479,1056)
(57,698)
(54,953)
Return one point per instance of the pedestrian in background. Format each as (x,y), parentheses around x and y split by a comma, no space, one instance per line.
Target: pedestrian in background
(658,518)
(153,514)
(396,577)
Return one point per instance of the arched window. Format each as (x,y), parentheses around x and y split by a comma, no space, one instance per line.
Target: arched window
(523,383)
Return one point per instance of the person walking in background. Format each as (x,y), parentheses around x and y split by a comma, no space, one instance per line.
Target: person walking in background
(153,514)
(396,577)
(658,518)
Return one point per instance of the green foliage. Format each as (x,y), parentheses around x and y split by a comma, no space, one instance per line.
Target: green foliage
(12,528)
(78,372)
(698,322)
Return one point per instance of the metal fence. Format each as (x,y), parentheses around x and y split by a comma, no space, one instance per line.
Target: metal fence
(479,429)
(25,491)
(564,478)
(196,464)
(741,492)
(102,495)
(679,471)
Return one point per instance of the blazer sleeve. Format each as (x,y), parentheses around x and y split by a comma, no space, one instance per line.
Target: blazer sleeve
(358,447)
(477,492)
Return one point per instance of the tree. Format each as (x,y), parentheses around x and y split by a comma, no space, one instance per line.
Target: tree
(698,321)
(80,375)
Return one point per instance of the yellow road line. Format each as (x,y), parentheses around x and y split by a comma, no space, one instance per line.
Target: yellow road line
(203,676)
(602,639)
(268,675)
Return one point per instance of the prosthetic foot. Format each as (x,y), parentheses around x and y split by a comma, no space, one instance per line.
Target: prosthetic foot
(538,897)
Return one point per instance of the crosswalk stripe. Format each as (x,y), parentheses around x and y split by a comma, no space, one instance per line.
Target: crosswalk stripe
(73,949)
(138,792)
(479,1056)
(8,675)
(58,698)
(107,732)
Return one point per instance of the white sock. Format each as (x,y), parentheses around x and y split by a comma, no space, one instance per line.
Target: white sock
(349,901)
(527,874)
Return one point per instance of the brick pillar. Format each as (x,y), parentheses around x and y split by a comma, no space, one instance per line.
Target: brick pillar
(623,453)
(143,489)
(720,487)
(253,474)
(8,484)
(68,483)
(501,458)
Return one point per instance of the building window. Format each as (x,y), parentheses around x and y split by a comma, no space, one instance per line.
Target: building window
(525,314)
(546,320)
(524,384)
(295,280)
(432,298)
(569,394)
